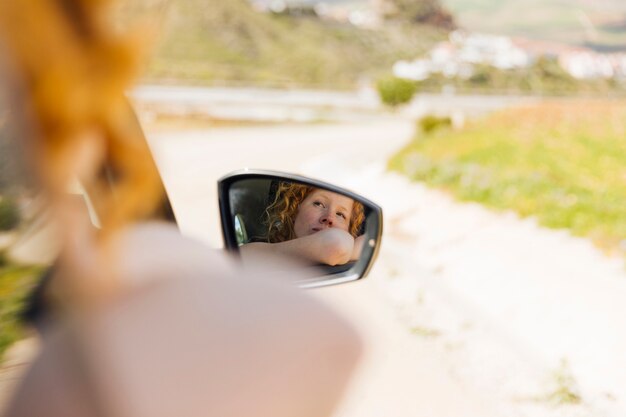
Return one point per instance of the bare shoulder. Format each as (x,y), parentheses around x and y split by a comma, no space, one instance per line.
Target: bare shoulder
(158,253)
(229,327)
(156,250)
(203,338)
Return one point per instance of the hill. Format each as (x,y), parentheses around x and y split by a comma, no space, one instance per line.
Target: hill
(599,24)
(226,42)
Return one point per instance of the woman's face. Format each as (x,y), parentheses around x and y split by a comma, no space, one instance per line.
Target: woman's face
(321,210)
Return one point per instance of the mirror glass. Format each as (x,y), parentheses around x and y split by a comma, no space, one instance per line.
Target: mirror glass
(316,225)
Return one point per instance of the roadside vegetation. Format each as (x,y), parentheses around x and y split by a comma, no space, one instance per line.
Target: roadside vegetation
(16,281)
(563,162)
(565,391)
(395,91)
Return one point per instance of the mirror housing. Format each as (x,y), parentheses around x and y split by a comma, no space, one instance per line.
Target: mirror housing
(245,198)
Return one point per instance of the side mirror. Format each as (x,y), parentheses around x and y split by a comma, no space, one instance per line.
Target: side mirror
(319,225)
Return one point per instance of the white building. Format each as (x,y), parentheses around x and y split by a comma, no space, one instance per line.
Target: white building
(282,6)
(458,56)
(587,65)
(365,15)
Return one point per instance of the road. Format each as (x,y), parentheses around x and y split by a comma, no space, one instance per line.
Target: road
(467,312)
(400,376)
(306,105)
(191,162)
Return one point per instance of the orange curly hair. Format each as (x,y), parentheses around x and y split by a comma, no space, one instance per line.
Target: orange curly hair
(281,214)
(70,69)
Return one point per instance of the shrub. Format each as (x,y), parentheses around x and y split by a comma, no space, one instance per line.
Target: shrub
(431,123)
(16,283)
(394,91)
(9,214)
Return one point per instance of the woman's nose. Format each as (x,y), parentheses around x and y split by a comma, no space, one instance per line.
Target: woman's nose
(327,219)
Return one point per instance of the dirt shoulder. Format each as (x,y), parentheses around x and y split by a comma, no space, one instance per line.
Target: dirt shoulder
(529,318)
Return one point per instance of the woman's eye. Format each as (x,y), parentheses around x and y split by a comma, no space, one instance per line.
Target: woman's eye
(342,215)
(318,204)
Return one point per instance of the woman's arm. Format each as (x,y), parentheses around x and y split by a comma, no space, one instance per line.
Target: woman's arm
(329,246)
(110,362)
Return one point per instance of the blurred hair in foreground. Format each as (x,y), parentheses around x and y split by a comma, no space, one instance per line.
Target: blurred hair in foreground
(69,74)
(147,323)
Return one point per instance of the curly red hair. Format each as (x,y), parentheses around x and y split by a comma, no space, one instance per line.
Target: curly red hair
(281,214)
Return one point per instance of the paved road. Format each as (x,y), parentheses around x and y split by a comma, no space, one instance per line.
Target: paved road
(306,105)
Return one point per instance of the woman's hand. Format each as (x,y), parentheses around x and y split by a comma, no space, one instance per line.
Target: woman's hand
(335,247)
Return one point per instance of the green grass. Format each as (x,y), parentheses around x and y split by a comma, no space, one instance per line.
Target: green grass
(565,390)
(425,332)
(15,283)
(562,162)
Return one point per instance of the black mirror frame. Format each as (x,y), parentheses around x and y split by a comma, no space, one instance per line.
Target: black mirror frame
(374,222)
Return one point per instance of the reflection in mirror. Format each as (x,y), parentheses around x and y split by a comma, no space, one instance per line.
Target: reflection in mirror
(310,224)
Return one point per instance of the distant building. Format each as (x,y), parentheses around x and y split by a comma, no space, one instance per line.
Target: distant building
(459,55)
(538,48)
(362,14)
(592,65)
(497,51)
(291,7)
(581,63)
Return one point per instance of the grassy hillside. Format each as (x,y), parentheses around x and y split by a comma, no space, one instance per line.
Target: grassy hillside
(600,24)
(215,42)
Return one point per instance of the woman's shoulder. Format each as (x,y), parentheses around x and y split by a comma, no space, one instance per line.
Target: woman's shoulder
(157,250)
